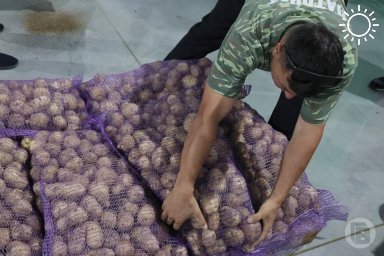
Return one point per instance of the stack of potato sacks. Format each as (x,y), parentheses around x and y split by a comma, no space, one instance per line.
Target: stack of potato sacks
(24,107)
(105,146)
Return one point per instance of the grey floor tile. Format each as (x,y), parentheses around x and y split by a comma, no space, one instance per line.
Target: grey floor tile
(374,246)
(95,49)
(153,27)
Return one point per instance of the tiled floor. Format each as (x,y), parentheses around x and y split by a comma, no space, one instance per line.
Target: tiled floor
(122,34)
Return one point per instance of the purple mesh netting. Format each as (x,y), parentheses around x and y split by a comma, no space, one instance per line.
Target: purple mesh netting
(48,222)
(9,133)
(20,224)
(91,202)
(41,104)
(259,150)
(151,134)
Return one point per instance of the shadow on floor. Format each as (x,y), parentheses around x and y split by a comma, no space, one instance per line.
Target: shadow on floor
(365,72)
(34,5)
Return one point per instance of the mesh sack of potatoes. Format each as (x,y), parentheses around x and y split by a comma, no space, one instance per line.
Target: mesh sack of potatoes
(92,204)
(21,227)
(259,149)
(153,144)
(41,104)
(108,92)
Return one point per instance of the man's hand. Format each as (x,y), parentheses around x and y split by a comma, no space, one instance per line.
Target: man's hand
(267,213)
(179,206)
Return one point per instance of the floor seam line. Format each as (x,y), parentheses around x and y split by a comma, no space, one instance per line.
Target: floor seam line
(118,33)
(337,239)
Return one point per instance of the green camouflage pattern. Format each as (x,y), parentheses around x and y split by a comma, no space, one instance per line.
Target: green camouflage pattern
(259,26)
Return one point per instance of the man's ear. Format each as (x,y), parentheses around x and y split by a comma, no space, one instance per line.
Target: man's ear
(278,47)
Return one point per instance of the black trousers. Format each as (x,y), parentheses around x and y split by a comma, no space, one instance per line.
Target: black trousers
(207,36)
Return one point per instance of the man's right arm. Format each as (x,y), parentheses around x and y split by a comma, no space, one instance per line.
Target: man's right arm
(180,204)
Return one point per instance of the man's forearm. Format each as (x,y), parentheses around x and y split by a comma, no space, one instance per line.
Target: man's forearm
(296,158)
(196,149)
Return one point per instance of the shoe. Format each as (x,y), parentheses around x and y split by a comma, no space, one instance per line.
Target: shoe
(7,61)
(377,84)
(1,27)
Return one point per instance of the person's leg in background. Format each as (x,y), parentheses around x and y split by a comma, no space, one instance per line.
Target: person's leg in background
(6,61)
(285,114)
(207,35)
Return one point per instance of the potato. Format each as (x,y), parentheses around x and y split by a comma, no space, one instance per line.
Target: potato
(108,219)
(237,185)
(59,247)
(75,164)
(20,231)
(216,180)
(129,207)
(55,109)
(290,206)
(210,203)
(106,175)
(7,145)
(146,215)
(16,121)
(42,158)
(234,236)
(77,241)
(100,191)
(129,109)
(146,147)
(71,190)
(112,238)
(20,155)
(136,194)
(125,221)
(159,158)
(60,209)
(252,231)
(212,158)
(101,252)
(144,238)
(22,207)
(134,156)
(124,248)
(93,208)
(38,121)
(276,149)
(280,227)
(230,217)
(174,160)
(65,156)
(4,237)
(208,237)
(15,178)
(17,248)
(3,186)
(144,164)
(77,216)
(5,159)
(194,241)
(101,150)
(168,180)
(169,144)
(126,143)
(217,249)
(94,235)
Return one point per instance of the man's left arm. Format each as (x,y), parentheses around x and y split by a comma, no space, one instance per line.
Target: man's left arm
(306,137)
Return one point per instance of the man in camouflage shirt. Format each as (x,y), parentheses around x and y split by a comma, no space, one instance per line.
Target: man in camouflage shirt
(301,43)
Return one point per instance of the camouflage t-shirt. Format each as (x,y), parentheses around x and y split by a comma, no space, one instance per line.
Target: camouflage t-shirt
(259,26)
